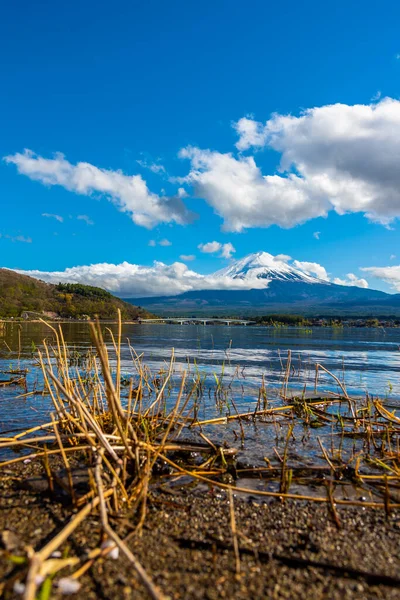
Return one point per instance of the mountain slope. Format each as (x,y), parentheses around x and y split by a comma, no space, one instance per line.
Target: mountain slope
(288,297)
(287,289)
(20,293)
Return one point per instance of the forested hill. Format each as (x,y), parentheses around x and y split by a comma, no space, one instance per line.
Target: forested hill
(21,294)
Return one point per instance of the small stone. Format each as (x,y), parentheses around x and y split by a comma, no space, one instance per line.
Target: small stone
(67,585)
(18,587)
(10,540)
(114,552)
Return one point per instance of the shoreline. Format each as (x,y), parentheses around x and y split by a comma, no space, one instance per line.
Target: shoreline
(305,327)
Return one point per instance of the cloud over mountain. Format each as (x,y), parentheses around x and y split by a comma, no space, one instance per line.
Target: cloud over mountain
(390,275)
(352,280)
(254,271)
(312,268)
(129,280)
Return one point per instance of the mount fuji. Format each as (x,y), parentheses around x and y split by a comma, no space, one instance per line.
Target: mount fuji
(271,285)
(263,265)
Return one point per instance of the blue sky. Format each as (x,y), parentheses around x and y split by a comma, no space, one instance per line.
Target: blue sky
(126,86)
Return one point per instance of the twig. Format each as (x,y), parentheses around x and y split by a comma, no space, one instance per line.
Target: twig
(234,532)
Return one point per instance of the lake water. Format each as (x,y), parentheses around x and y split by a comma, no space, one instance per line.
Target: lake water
(366,360)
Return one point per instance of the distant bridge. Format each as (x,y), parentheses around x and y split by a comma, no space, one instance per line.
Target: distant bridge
(198,321)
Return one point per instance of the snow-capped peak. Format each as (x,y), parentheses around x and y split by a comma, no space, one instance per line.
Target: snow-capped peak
(262,265)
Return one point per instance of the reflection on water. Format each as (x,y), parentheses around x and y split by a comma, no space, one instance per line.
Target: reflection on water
(364,359)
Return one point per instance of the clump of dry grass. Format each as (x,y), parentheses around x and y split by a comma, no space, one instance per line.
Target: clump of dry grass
(121,442)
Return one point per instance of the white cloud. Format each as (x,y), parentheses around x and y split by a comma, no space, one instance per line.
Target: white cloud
(243,197)
(316,234)
(312,268)
(51,216)
(335,157)
(390,275)
(376,96)
(351,280)
(157,168)
(22,238)
(129,193)
(187,257)
(182,193)
(392,256)
(154,167)
(85,218)
(251,133)
(17,238)
(210,247)
(226,250)
(163,242)
(129,280)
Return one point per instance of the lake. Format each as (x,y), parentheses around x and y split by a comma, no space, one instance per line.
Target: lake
(365,360)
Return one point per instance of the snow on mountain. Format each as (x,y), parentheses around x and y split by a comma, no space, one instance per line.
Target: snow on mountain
(262,265)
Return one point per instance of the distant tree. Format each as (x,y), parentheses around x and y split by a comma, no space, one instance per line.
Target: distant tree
(83,290)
